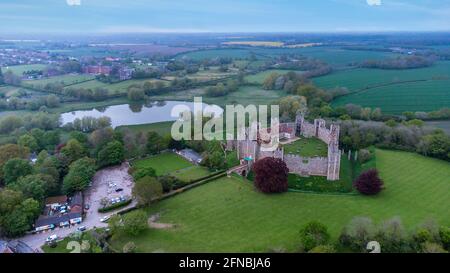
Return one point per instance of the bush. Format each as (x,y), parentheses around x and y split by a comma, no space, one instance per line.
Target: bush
(364,156)
(271,175)
(444,233)
(115,206)
(129,247)
(369,183)
(314,234)
(357,234)
(323,249)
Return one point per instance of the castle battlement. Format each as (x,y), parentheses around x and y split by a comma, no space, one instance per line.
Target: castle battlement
(249,148)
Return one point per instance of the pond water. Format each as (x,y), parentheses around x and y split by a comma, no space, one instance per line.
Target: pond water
(134,114)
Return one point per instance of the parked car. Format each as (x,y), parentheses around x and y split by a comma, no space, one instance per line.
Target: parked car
(119,190)
(86,207)
(82,228)
(105,219)
(51,238)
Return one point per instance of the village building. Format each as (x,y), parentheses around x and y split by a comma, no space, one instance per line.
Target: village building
(60,211)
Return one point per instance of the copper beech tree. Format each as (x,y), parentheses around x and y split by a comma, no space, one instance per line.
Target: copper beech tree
(271,175)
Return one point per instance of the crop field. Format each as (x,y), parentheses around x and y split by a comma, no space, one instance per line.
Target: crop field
(396,99)
(255,43)
(236,218)
(207,75)
(218,53)
(361,78)
(248,95)
(19,69)
(114,88)
(163,163)
(334,56)
(261,76)
(64,79)
(309,147)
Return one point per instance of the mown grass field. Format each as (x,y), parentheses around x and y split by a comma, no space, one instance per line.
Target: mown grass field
(247,95)
(19,69)
(191,173)
(396,99)
(228,215)
(162,128)
(356,79)
(114,88)
(64,79)
(261,76)
(309,147)
(164,163)
(217,53)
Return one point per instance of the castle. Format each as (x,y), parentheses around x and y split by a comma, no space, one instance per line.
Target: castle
(249,150)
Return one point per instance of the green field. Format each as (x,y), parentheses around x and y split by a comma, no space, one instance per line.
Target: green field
(308,147)
(64,79)
(19,69)
(334,56)
(164,163)
(228,215)
(162,128)
(115,88)
(261,76)
(247,95)
(396,99)
(191,173)
(357,79)
(217,53)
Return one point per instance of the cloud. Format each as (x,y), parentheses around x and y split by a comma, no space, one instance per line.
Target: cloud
(73,2)
(374,2)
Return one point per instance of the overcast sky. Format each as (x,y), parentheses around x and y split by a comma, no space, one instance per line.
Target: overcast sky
(119,16)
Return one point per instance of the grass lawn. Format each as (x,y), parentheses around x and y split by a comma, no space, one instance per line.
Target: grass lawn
(19,69)
(247,95)
(261,76)
(164,163)
(162,128)
(191,173)
(228,215)
(64,79)
(310,147)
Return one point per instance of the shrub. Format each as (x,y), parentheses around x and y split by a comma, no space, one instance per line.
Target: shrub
(271,175)
(369,183)
(129,247)
(323,249)
(429,247)
(392,237)
(146,190)
(357,234)
(115,206)
(364,155)
(314,234)
(142,172)
(444,233)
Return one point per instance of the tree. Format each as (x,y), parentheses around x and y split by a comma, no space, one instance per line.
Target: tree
(79,175)
(15,168)
(73,150)
(392,236)
(368,183)
(28,141)
(214,161)
(444,233)
(52,101)
(436,145)
(271,175)
(357,234)
(112,154)
(135,222)
(155,143)
(136,94)
(146,190)
(32,186)
(314,234)
(142,172)
(20,219)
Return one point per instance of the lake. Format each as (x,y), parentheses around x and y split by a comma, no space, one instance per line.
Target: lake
(135,114)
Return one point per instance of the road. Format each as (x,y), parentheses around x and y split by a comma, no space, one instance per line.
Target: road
(99,190)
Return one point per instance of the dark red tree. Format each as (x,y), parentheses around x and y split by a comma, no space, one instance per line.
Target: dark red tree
(369,183)
(271,175)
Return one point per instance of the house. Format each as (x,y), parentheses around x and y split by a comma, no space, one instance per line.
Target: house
(125,73)
(60,211)
(97,69)
(15,246)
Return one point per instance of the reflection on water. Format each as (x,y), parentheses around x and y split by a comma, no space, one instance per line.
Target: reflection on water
(137,113)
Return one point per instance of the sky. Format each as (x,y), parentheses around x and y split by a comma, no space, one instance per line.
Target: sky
(185,16)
